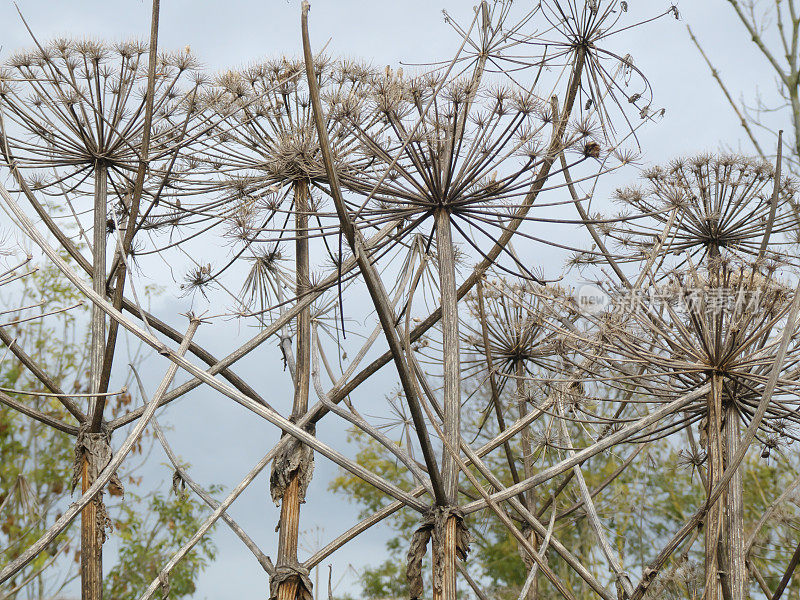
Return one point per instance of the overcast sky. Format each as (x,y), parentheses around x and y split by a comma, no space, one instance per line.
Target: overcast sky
(221,440)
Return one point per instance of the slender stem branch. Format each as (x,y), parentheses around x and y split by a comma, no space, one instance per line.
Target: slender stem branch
(371,277)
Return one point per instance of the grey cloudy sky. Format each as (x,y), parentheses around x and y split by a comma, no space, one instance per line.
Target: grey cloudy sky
(223,440)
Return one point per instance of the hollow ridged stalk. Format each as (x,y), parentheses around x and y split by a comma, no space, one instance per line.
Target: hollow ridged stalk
(129,221)
(727,517)
(734,512)
(715,453)
(527,466)
(290,503)
(91,543)
(452,392)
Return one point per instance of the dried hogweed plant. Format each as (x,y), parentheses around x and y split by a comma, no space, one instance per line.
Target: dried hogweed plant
(710,320)
(82,124)
(307,181)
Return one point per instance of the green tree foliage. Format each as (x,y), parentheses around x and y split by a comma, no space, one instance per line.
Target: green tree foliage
(36,460)
(149,537)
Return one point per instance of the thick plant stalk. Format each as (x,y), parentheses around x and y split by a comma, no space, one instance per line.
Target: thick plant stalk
(91,537)
(734,498)
(373,281)
(449,589)
(717,544)
(450,352)
(130,229)
(98,275)
(451,357)
(289,528)
(91,546)
(527,466)
(101,355)
(714,450)
(734,512)
(452,395)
